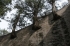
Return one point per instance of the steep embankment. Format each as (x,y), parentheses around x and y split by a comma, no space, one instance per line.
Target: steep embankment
(26,37)
(62,10)
(48,35)
(59,34)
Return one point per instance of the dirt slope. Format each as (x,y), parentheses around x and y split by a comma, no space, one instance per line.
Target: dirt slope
(61,11)
(26,36)
(48,35)
(59,34)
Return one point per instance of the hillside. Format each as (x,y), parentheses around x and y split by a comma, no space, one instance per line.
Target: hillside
(54,34)
(59,34)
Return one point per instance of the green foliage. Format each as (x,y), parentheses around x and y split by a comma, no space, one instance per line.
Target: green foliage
(35,4)
(51,1)
(7,1)
(3,32)
(1,7)
(1,11)
(3,3)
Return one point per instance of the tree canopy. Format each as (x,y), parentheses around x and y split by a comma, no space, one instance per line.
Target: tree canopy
(28,9)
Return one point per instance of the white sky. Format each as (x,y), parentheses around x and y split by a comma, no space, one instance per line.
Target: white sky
(4,24)
(60,3)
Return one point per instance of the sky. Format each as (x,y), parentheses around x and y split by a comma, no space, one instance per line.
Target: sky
(4,24)
(60,3)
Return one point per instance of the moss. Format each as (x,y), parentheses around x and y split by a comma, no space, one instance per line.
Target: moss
(7,1)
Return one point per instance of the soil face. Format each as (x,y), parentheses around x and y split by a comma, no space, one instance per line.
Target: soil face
(55,34)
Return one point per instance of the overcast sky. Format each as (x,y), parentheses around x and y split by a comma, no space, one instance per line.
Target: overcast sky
(4,24)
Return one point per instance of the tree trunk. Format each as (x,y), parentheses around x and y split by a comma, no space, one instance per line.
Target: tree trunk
(55,15)
(35,22)
(13,34)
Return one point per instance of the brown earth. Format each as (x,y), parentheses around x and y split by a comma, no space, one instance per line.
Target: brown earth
(55,34)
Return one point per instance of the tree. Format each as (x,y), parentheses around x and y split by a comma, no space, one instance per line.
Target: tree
(36,6)
(15,21)
(3,7)
(55,16)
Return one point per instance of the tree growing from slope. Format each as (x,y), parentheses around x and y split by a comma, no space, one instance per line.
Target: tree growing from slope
(32,6)
(55,16)
(36,6)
